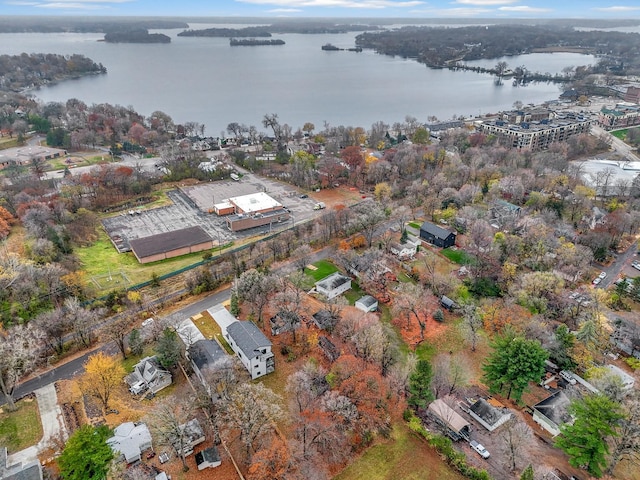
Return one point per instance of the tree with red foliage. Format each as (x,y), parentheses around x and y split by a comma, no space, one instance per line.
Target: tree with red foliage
(273,462)
(353,157)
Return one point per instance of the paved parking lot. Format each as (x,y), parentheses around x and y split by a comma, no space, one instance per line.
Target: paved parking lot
(191,206)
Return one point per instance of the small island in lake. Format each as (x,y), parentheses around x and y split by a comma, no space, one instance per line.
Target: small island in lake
(332,48)
(250,42)
(136,36)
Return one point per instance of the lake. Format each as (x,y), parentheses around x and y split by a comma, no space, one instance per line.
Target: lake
(207,81)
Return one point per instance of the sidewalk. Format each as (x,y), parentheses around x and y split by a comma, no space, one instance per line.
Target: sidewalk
(52,425)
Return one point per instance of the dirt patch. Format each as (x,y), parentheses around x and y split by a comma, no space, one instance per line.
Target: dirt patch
(337,196)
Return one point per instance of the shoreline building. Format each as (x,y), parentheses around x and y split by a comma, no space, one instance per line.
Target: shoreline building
(535,130)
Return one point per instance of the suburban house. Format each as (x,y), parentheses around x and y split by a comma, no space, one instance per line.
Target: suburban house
(328,348)
(193,436)
(252,347)
(147,375)
(407,249)
(204,354)
(552,412)
(333,285)
(456,427)
(208,458)
(489,413)
(367,304)
(20,471)
(284,321)
(130,440)
(438,236)
(324,320)
(627,381)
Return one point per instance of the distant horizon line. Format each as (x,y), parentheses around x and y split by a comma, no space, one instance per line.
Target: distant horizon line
(626,20)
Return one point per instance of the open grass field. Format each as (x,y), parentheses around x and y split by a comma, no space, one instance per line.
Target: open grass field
(101,261)
(323,269)
(402,456)
(7,142)
(458,256)
(621,134)
(22,428)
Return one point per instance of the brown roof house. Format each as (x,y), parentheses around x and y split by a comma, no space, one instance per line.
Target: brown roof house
(171,244)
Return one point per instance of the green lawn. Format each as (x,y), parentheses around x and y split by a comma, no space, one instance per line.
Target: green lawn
(403,456)
(621,134)
(415,225)
(102,260)
(458,256)
(22,428)
(354,294)
(324,268)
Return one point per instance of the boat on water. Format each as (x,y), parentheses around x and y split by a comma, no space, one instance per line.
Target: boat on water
(330,47)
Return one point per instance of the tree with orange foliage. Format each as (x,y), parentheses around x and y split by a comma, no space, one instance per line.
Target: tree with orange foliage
(6,219)
(103,375)
(498,315)
(274,462)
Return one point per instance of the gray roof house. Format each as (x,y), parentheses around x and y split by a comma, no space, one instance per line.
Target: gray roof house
(487,415)
(324,320)
(367,304)
(552,412)
(130,440)
(20,471)
(333,285)
(148,375)
(438,236)
(194,435)
(208,458)
(204,354)
(252,347)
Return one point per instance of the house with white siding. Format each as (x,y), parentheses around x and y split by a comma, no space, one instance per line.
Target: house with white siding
(252,347)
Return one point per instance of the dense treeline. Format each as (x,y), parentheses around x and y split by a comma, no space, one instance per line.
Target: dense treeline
(32,70)
(438,46)
(136,36)
(16,24)
(283,27)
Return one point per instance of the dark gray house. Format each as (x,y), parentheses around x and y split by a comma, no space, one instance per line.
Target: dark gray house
(438,236)
(204,354)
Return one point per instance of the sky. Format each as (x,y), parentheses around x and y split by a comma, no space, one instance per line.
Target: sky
(332,8)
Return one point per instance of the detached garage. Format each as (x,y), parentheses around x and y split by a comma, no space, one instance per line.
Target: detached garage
(171,244)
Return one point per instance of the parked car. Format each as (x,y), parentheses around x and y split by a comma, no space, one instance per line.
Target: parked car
(596,280)
(636,265)
(304,195)
(147,322)
(568,376)
(480,449)
(602,275)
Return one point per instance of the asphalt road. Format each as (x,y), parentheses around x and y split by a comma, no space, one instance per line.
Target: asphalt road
(613,270)
(70,369)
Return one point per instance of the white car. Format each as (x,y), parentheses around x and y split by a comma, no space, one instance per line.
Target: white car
(147,322)
(568,376)
(602,275)
(636,265)
(483,452)
(597,280)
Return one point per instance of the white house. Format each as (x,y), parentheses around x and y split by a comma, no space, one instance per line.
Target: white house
(367,304)
(252,347)
(208,458)
(627,380)
(407,249)
(552,412)
(130,440)
(148,375)
(333,285)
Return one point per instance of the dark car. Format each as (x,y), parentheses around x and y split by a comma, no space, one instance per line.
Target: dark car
(304,195)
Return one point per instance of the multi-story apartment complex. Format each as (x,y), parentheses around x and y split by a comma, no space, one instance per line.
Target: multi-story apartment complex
(623,115)
(536,129)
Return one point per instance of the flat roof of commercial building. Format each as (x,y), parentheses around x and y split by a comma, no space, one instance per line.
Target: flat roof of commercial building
(255,202)
(166,242)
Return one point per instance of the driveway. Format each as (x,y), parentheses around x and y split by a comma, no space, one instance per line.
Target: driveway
(52,425)
(613,271)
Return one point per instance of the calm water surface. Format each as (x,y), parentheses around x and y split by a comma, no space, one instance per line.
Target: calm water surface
(207,81)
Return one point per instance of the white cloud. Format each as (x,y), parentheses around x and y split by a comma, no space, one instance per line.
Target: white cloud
(618,8)
(284,10)
(70,4)
(525,9)
(373,4)
(486,3)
